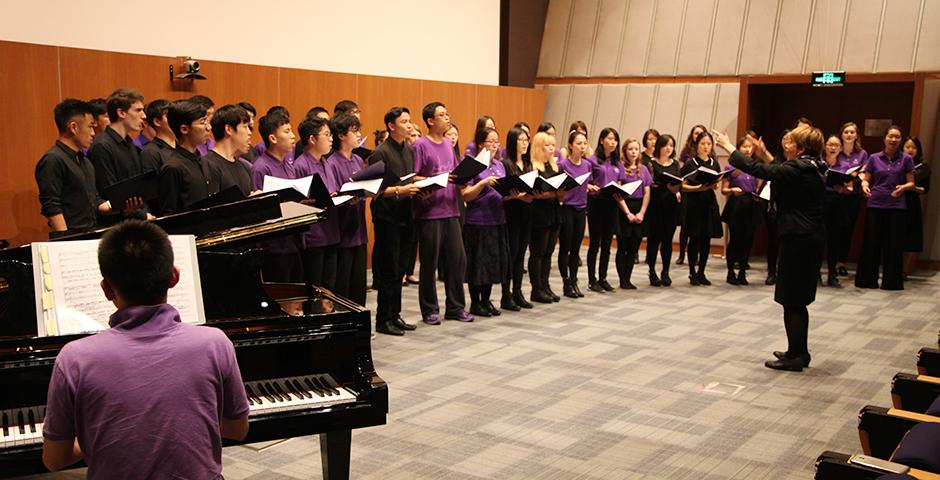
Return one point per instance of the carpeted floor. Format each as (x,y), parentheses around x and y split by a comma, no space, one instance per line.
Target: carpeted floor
(657,383)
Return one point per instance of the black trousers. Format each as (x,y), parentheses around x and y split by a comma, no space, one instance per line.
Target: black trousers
(853,204)
(520,234)
(659,240)
(627,248)
(320,266)
(882,243)
(540,255)
(389,259)
(351,273)
(740,241)
(434,235)
(570,236)
(699,251)
(602,220)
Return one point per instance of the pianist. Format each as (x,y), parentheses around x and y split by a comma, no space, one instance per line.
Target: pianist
(150,397)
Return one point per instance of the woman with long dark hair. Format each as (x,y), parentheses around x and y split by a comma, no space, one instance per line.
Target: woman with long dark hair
(663,212)
(602,209)
(649,145)
(685,156)
(884,179)
(834,211)
(518,219)
(702,222)
(914,238)
(573,212)
(798,191)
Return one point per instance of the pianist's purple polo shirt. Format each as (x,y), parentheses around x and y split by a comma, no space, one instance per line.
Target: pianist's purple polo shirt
(643,175)
(352,218)
(268,165)
(576,197)
(886,174)
(145,397)
(487,208)
(325,232)
(431,159)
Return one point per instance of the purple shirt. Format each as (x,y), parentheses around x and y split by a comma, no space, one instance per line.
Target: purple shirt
(643,175)
(431,159)
(604,173)
(145,398)
(742,180)
(268,165)
(352,218)
(140,141)
(886,174)
(576,197)
(487,208)
(845,162)
(260,148)
(205,147)
(325,232)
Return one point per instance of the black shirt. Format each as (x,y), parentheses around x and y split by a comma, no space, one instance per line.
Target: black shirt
(114,158)
(230,173)
(184,180)
(155,154)
(66,181)
(797,189)
(399,161)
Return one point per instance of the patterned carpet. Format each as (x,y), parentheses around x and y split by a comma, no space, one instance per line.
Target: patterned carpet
(657,383)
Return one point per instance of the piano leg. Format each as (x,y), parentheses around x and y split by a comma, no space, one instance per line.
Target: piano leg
(334,454)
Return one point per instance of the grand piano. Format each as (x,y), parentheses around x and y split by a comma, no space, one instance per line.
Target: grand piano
(304,353)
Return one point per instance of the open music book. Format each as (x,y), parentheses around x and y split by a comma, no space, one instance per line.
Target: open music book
(69,299)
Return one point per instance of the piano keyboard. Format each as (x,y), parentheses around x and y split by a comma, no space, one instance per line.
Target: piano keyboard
(292,393)
(21,426)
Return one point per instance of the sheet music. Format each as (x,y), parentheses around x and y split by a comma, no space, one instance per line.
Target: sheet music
(68,286)
(273,184)
(632,186)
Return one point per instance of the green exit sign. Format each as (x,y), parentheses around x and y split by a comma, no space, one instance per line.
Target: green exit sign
(828,79)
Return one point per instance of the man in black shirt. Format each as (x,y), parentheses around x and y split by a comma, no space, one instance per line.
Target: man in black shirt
(391,218)
(185,178)
(113,152)
(160,148)
(99,110)
(66,179)
(232,140)
(252,154)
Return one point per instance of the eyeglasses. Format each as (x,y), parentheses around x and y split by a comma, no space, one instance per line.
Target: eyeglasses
(442,115)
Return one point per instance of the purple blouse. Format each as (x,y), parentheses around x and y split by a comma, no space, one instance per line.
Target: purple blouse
(742,180)
(604,173)
(576,197)
(886,174)
(326,232)
(268,165)
(352,218)
(642,174)
(845,162)
(432,159)
(205,147)
(487,208)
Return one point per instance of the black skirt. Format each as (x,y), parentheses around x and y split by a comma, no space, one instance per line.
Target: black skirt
(744,210)
(835,213)
(701,215)
(487,249)
(914,224)
(798,263)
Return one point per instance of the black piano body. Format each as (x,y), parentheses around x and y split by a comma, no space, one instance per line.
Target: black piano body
(280,331)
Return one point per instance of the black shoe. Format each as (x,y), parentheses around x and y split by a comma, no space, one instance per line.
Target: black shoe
(654,280)
(627,285)
(507,303)
(478,310)
(605,285)
(577,289)
(742,278)
(732,279)
(904,276)
(865,285)
(681,259)
(842,271)
(703,281)
(548,290)
(771,280)
(388,329)
(785,363)
(520,300)
(596,287)
(403,325)
(833,281)
(494,312)
(568,289)
(664,277)
(806,359)
(693,280)
(541,296)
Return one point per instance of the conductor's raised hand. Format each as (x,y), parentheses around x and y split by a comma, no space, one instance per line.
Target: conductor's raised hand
(723,141)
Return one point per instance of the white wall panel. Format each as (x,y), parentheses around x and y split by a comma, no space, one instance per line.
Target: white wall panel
(554,38)
(635,40)
(581,29)
(610,102)
(699,106)
(583,105)
(758,37)
(896,52)
(638,111)
(861,36)
(726,37)
(928,53)
(557,100)
(664,44)
(826,35)
(606,49)
(696,37)
(792,32)
(726,108)
(670,101)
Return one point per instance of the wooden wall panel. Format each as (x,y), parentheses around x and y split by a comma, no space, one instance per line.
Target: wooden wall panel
(928,55)
(505,104)
(558,97)
(638,109)
(378,94)
(726,37)
(460,100)
(758,37)
(664,42)
(583,107)
(29,90)
(668,108)
(860,39)
(581,30)
(535,106)
(88,74)
(634,45)
(610,109)
(554,39)
(696,37)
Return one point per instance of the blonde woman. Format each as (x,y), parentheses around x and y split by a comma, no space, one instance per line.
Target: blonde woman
(544,220)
